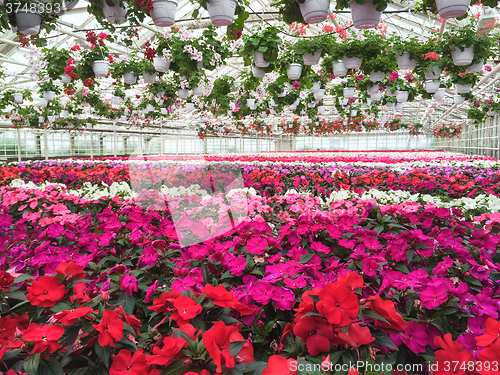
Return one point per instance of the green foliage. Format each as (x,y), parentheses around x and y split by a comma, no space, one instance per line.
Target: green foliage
(320,43)
(379,5)
(265,40)
(47,84)
(57,59)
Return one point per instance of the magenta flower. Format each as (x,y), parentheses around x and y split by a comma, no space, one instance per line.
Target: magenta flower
(299,282)
(442,267)
(415,337)
(129,284)
(283,299)
(151,292)
(262,292)
(469,342)
(238,266)
(433,296)
(370,267)
(256,245)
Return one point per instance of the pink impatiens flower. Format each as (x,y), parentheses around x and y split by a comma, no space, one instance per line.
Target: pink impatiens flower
(433,296)
(129,284)
(415,337)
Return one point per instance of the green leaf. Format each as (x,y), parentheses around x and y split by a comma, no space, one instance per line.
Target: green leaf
(50,367)
(18,295)
(253,367)
(31,364)
(383,339)
(184,335)
(195,13)
(10,354)
(374,315)
(308,368)
(305,258)
(103,352)
(175,368)
(235,347)
(60,306)
(128,303)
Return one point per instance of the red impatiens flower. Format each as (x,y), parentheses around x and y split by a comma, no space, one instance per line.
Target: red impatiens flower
(452,353)
(6,280)
(487,359)
(278,365)
(70,271)
(69,317)
(338,304)
(217,342)
(387,310)
(124,363)
(131,320)
(492,334)
(110,328)
(187,308)
(245,355)
(165,302)
(356,336)
(170,352)
(45,291)
(44,337)
(81,293)
(316,332)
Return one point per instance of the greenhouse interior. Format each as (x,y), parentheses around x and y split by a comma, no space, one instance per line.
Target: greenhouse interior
(249,187)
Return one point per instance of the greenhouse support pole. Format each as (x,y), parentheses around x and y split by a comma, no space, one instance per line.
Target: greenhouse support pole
(114,138)
(162,145)
(91,144)
(19,145)
(46,144)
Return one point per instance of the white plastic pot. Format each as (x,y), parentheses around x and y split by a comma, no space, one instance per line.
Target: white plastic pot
(432,86)
(311,105)
(189,107)
(349,92)
(294,71)
(320,94)
(51,119)
(65,78)
(390,105)
(389,92)
(314,11)
(399,107)
(182,93)
(116,100)
(164,111)
(258,73)
(221,12)
(402,96)
(49,95)
(315,88)
(377,76)
(439,95)
(273,103)
(452,8)
(160,64)
(163,13)
(464,89)
(364,16)
(378,96)
(41,119)
(281,94)
(150,108)
(100,68)
(114,14)
(263,114)
(339,69)
(462,58)
(352,62)
(18,98)
(28,23)
(129,78)
(250,103)
(433,74)
(273,112)
(199,65)
(354,113)
(311,59)
(149,78)
(258,60)
(344,102)
(404,61)
(321,109)
(64,113)
(197,91)
(373,89)
(475,68)
(229,113)
(458,99)
(123,118)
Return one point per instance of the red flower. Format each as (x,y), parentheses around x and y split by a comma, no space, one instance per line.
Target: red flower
(492,334)
(278,365)
(338,304)
(170,352)
(69,317)
(454,354)
(45,291)
(81,293)
(44,337)
(76,47)
(356,336)
(217,342)
(6,280)
(126,363)
(110,328)
(245,355)
(487,359)
(70,271)
(387,310)
(165,302)
(187,308)
(316,332)
(131,320)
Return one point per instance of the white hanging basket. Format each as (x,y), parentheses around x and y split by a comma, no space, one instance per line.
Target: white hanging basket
(123,118)
(320,94)
(64,113)
(189,107)
(315,88)
(433,73)
(273,112)
(229,113)
(321,109)
(311,105)
(354,113)
(258,73)
(404,61)
(100,68)
(129,78)
(389,92)
(65,78)
(49,95)
(197,91)
(28,23)
(221,11)
(163,13)
(432,86)
(42,102)
(458,99)
(475,68)
(373,89)
(352,62)
(164,111)
(464,89)
(344,102)
(339,69)
(314,11)
(250,103)
(402,96)
(149,78)
(390,105)
(114,14)
(51,119)
(364,16)
(377,76)
(182,93)
(311,59)
(399,107)
(41,119)
(258,59)
(281,94)
(439,95)
(462,58)
(452,8)
(349,92)
(294,71)
(116,100)
(160,64)
(18,97)
(378,96)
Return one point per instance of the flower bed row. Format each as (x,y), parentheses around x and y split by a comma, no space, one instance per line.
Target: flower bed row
(110,287)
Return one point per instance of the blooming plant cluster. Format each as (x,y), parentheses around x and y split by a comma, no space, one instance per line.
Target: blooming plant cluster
(448,131)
